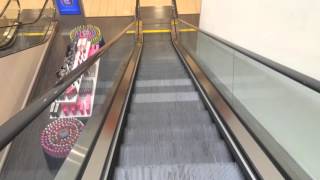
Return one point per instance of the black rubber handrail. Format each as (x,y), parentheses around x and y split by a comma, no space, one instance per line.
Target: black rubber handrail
(307,81)
(137,15)
(10,41)
(12,127)
(137,9)
(175,9)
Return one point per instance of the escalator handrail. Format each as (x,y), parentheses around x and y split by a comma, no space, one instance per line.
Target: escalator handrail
(175,9)
(9,40)
(303,79)
(137,15)
(34,21)
(138,10)
(12,127)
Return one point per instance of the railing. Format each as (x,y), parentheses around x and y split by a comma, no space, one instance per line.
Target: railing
(9,17)
(278,105)
(288,72)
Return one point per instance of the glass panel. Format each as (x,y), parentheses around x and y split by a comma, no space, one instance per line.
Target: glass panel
(282,113)
(42,148)
(219,67)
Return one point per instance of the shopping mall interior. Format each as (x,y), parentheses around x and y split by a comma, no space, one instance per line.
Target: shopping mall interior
(159,89)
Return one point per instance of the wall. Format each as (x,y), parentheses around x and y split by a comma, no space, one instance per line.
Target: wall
(32,4)
(25,4)
(184,6)
(286,31)
(96,8)
(2,4)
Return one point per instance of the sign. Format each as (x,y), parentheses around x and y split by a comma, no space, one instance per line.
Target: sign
(68,7)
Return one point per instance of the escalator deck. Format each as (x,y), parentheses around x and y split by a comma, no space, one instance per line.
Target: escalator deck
(169,133)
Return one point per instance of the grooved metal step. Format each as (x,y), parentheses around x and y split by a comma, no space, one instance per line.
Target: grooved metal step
(166,97)
(152,136)
(179,107)
(163,89)
(177,152)
(198,171)
(155,120)
(162,76)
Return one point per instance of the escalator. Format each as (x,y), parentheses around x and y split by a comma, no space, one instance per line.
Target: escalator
(169,133)
(9,17)
(170,102)
(23,29)
(8,37)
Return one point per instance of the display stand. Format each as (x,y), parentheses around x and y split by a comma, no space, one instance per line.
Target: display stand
(77,101)
(74,99)
(71,110)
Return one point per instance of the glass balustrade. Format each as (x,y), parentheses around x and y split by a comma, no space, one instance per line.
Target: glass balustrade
(282,113)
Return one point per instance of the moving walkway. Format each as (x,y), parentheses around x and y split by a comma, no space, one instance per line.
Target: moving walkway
(167,109)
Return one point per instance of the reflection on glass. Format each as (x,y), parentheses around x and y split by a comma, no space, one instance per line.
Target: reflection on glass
(282,113)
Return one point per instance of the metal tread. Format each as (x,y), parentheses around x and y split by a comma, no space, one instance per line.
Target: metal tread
(174,152)
(169,120)
(179,107)
(145,136)
(196,171)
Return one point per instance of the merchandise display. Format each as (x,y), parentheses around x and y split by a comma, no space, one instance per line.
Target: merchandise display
(74,106)
(74,101)
(58,138)
(77,101)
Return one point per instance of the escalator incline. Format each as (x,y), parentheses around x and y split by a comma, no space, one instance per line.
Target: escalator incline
(169,133)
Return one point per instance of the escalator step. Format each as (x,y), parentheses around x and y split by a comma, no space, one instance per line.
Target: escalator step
(178,107)
(158,135)
(170,125)
(164,83)
(164,75)
(168,119)
(208,151)
(199,171)
(163,57)
(160,50)
(166,97)
(160,64)
(173,116)
(164,89)
(159,68)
